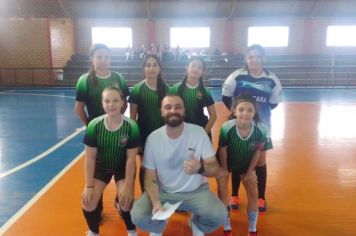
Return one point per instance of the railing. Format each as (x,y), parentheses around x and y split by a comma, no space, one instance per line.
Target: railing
(307,76)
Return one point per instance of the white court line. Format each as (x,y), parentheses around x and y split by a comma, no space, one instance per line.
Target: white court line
(34,199)
(36,94)
(42,155)
(40,90)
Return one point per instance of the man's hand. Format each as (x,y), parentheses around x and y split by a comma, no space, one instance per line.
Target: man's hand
(192,165)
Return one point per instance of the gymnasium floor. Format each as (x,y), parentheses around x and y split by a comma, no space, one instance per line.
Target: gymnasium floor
(311,186)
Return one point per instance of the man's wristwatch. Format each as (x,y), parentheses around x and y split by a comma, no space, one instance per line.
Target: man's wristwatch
(201,169)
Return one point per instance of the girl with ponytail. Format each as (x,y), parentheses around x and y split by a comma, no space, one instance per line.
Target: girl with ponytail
(91,85)
(196,96)
(145,101)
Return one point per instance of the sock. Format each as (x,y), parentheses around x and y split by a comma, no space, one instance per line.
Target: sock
(141,178)
(235,183)
(92,218)
(227,224)
(261,172)
(126,216)
(252,220)
(100,205)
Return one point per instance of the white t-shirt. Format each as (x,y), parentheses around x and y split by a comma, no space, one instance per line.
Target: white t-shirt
(166,156)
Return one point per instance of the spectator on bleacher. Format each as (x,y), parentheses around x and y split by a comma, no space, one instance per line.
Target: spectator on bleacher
(196,96)
(178,53)
(216,52)
(153,50)
(184,57)
(127,53)
(265,87)
(145,99)
(142,52)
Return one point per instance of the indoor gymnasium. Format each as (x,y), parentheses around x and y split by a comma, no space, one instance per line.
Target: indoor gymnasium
(57,55)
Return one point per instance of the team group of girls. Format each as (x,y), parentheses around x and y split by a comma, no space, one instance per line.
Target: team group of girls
(112,141)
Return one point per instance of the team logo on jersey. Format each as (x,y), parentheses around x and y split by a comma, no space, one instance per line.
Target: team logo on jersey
(260,99)
(255,145)
(199,95)
(123,141)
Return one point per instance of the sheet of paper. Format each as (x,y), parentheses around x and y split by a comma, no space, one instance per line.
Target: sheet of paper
(170,209)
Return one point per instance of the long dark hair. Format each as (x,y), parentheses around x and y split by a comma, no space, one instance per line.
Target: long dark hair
(161,84)
(262,52)
(92,76)
(201,83)
(245,97)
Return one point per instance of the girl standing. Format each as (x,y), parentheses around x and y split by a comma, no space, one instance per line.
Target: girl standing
(196,96)
(266,88)
(145,101)
(240,145)
(91,85)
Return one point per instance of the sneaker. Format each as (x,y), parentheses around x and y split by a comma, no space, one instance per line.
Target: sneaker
(234,202)
(227,224)
(227,233)
(195,230)
(252,233)
(131,233)
(90,233)
(262,206)
(155,234)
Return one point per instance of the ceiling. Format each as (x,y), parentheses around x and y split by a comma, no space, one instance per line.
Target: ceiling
(153,9)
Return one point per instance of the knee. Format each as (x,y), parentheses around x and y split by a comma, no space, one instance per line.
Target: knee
(90,206)
(137,215)
(218,214)
(251,187)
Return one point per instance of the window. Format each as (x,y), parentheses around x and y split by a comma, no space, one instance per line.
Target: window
(341,36)
(190,37)
(113,37)
(271,36)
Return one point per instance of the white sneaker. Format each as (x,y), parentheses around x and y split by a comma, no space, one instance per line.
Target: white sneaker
(155,234)
(195,230)
(131,233)
(227,224)
(90,233)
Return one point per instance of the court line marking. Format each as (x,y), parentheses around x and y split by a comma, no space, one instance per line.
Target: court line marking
(39,90)
(35,198)
(36,94)
(42,155)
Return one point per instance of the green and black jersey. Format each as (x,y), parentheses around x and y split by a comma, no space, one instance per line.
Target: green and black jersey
(240,150)
(91,94)
(194,102)
(148,108)
(112,145)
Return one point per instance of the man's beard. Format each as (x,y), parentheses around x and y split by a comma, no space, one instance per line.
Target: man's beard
(179,119)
